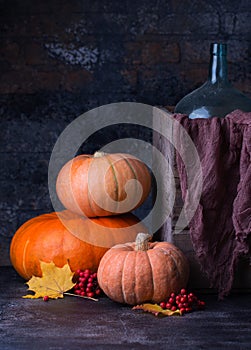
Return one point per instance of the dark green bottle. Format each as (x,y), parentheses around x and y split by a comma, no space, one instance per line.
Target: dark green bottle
(216,97)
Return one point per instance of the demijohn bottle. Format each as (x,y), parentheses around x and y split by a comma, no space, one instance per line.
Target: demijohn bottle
(216,97)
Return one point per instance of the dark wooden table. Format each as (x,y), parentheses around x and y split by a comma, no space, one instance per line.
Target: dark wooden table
(75,323)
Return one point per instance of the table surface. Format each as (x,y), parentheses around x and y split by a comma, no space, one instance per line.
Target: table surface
(76,323)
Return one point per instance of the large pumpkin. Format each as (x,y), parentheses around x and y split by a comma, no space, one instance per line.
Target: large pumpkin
(135,273)
(103,184)
(66,237)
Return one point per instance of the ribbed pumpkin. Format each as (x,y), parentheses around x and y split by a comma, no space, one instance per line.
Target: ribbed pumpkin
(138,272)
(103,184)
(66,237)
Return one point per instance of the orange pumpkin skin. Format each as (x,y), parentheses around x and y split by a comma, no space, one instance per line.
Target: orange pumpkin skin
(49,237)
(134,277)
(96,185)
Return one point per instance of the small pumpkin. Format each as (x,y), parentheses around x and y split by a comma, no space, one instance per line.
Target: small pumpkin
(63,237)
(138,272)
(103,184)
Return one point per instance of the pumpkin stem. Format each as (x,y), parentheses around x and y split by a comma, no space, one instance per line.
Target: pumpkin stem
(141,242)
(99,154)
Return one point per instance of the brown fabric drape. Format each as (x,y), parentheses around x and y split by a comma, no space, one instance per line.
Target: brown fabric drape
(221,224)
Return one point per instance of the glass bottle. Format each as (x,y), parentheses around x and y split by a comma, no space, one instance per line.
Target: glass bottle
(216,97)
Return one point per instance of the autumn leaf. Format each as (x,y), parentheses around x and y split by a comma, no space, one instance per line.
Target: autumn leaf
(55,281)
(157,310)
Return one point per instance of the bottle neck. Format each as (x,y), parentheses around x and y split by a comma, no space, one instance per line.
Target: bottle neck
(218,64)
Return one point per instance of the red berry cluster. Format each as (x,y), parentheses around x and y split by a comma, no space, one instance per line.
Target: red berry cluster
(87,284)
(183,301)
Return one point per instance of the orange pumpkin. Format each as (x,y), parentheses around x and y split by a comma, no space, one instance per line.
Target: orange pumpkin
(139,272)
(103,184)
(66,237)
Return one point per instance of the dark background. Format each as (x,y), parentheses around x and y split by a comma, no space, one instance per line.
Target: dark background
(61,58)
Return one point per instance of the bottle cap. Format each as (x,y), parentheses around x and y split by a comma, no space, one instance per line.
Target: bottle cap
(218,49)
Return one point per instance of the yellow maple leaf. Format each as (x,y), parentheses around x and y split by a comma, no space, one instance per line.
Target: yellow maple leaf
(157,310)
(55,281)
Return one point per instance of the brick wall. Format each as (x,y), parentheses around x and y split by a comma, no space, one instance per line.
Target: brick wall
(62,58)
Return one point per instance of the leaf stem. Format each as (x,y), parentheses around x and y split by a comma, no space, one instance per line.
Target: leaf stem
(79,296)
